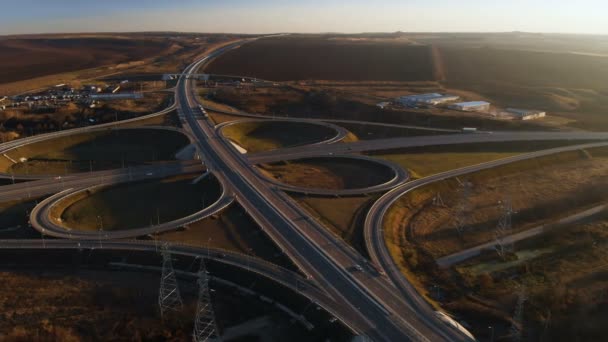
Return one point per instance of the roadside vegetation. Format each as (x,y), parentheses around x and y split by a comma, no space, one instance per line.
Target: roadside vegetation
(14,218)
(371,131)
(422,226)
(231,230)
(21,122)
(429,160)
(342,216)
(99,150)
(258,136)
(328,173)
(109,305)
(220,118)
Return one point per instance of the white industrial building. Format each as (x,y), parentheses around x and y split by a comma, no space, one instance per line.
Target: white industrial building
(526,114)
(427,99)
(120,96)
(474,106)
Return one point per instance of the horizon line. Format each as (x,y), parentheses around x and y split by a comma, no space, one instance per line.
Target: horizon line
(302,33)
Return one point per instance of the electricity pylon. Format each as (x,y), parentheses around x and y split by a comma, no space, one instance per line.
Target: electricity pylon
(462,209)
(438,200)
(169,298)
(503,229)
(205,328)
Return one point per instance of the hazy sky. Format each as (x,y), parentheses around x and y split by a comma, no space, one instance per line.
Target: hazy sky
(265,16)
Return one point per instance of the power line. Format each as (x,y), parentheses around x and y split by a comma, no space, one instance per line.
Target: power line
(205,328)
(463,207)
(169,298)
(504,229)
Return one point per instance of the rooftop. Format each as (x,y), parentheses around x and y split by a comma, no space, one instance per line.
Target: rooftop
(472,103)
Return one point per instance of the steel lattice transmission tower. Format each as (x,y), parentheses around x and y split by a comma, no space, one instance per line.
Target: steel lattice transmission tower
(169,298)
(503,229)
(205,328)
(462,209)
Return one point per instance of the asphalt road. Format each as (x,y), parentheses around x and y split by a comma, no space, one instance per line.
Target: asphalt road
(373,231)
(319,254)
(399,176)
(42,220)
(50,185)
(8,148)
(421,141)
(282,276)
(341,132)
(382,308)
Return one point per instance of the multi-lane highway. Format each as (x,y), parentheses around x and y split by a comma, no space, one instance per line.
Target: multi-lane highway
(319,254)
(384,308)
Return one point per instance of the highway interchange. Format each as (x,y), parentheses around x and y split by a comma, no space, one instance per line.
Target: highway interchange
(376,301)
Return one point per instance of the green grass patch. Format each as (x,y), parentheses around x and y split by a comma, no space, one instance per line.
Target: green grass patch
(270,135)
(95,151)
(416,232)
(429,160)
(139,204)
(15,213)
(342,216)
(371,131)
(325,173)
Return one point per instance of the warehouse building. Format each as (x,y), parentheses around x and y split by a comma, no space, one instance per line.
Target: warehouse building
(526,114)
(427,99)
(474,106)
(120,96)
